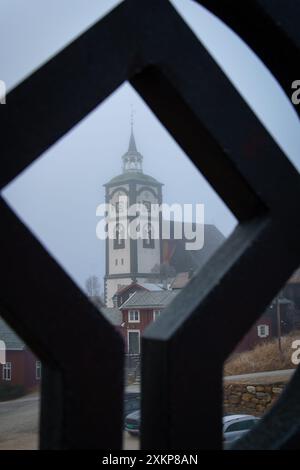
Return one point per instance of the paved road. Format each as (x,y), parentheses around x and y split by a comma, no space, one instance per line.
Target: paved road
(19,418)
(19,425)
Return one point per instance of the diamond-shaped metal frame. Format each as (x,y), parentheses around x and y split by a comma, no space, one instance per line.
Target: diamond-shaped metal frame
(147,42)
(270,28)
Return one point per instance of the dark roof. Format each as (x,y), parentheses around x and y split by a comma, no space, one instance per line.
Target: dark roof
(11,340)
(113,315)
(191,260)
(146,299)
(133,176)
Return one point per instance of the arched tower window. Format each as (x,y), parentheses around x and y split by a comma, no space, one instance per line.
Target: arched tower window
(119,236)
(148,240)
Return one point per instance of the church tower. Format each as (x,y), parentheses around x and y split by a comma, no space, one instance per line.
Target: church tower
(131,260)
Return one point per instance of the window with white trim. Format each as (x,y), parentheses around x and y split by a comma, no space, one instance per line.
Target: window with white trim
(263,331)
(156,314)
(134,316)
(6,371)
(38,370)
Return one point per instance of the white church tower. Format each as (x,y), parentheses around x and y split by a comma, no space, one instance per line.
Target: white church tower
(131,260)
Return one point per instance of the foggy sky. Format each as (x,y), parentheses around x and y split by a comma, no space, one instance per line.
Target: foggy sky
(57,196)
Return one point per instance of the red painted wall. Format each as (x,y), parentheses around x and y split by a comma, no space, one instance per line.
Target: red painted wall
(146,317)
(250,340)
(23,369)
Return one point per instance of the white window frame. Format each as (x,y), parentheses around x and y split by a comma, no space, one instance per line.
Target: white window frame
(6,371)
(134,320)
(156,313)
(139,340)
(38,370)
(266,330)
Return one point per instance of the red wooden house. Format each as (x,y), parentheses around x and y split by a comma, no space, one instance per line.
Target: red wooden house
(139,310)
(21,367)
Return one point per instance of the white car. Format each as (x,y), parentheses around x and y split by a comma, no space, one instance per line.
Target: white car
(234,426)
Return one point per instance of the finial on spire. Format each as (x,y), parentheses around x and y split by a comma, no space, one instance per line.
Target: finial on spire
(131,118)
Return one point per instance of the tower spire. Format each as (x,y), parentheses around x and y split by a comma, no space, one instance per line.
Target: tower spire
(132,145)
(132,160)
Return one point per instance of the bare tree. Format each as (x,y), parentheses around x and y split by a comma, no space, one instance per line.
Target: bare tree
(93,288)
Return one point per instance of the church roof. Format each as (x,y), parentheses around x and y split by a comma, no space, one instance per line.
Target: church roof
(175,253)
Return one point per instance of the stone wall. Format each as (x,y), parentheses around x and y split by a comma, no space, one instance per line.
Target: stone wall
(250,398)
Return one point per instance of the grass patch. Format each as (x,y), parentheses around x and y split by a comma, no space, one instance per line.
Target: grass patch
(264,357)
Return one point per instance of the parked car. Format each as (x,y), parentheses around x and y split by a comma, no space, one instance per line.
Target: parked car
(132,423)
(132,402)
(234,426)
